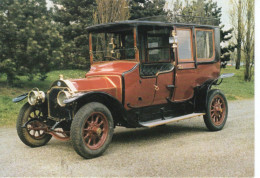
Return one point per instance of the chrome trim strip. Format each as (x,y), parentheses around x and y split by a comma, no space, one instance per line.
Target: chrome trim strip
(70,85)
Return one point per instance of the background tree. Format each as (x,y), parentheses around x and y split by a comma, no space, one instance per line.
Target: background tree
(239,36)
(177,8)
(146,8)
(73,17)
(29,41)
(237,20)
(111,11)
(242,18)
(249,40)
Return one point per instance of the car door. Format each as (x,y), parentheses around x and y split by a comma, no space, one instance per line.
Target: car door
(185,69)
(155,70)
(159,57)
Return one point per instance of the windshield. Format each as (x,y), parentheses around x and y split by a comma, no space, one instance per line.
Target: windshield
(110,46)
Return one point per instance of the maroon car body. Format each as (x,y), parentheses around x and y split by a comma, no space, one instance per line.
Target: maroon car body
(143,74)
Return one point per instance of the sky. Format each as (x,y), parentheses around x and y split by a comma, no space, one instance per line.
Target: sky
(225,11)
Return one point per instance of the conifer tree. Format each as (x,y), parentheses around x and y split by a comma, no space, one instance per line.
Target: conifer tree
(29,41)
(74,17)
(146,8)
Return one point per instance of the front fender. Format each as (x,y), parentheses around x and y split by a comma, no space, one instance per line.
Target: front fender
(79,96)
(74,98)
(115,106)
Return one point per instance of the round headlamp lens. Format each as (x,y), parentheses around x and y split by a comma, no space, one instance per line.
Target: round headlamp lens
(62,95)
(32,97)
(36,97)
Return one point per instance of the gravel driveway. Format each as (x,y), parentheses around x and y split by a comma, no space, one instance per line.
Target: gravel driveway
(185,148)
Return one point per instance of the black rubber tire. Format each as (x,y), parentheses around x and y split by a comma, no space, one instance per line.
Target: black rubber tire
(207,118)
(78,125)
(23,133)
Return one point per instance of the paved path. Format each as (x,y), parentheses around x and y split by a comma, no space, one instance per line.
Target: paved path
(185,148)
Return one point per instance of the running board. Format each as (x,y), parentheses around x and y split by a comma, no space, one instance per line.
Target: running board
(168,120)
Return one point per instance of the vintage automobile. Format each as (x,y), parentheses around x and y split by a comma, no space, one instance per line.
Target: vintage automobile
(143,73)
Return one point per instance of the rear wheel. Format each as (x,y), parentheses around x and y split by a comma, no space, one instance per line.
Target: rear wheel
(216,111)
(92,130)
(34,134)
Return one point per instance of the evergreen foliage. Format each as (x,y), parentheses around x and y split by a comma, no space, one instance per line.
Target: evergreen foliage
(29,41)
(74,17)
(146,8)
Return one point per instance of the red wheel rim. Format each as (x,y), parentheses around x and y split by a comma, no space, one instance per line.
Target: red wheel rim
(217,110)
(95,130)
(36,129)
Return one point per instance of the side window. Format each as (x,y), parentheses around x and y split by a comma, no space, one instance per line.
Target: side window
(158,46)
(184,45)
(205,45)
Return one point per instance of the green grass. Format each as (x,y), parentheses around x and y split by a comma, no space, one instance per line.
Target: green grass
(234,88)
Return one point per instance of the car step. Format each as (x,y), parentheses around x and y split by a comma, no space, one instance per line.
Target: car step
(168,120)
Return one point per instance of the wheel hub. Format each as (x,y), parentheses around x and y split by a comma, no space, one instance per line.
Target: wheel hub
(95,129)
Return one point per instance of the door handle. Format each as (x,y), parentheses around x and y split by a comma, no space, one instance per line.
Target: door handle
(170,86)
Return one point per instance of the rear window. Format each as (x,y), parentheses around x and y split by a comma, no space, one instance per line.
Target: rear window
(205,45)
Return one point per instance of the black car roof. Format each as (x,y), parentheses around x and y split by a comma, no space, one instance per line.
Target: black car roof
(134,23)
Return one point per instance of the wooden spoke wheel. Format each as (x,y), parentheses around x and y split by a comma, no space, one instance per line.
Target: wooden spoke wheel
(35,132)
(92,130)
(36,129)
(216,111)
(95,130)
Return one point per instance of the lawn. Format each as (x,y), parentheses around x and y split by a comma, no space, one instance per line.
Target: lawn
(234,88)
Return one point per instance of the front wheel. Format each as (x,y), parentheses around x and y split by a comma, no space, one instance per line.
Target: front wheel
(216,110)
(92,130)
(34,134)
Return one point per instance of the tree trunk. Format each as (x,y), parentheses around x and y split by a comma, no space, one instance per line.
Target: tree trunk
(248,43)
(239,38)
(10,79)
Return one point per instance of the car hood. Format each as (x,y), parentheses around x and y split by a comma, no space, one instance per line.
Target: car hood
(111,68)
(104,77)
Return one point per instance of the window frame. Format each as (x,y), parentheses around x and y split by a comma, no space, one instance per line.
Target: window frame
(203,60)
(190,60)
(92,60)
(146,49)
